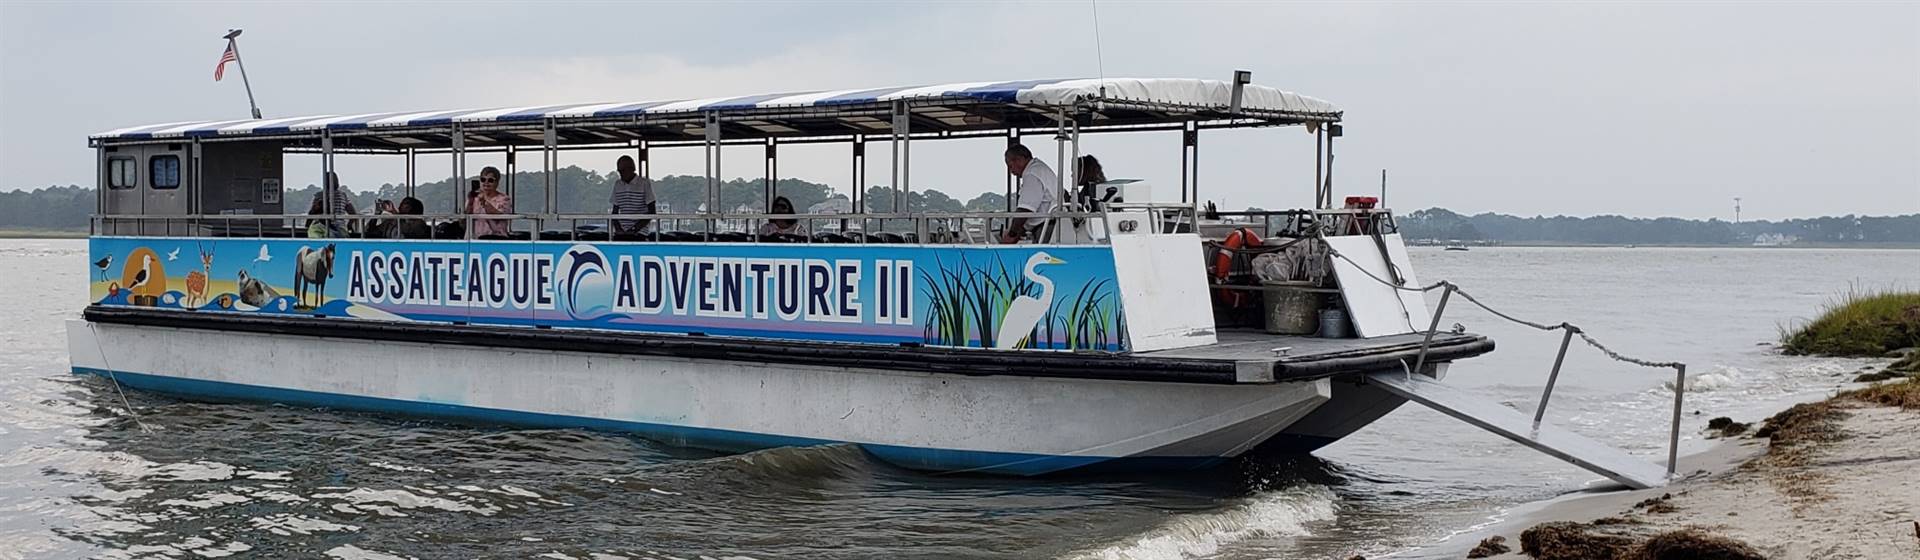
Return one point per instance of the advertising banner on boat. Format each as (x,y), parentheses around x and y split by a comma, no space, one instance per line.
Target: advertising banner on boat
(1014,296)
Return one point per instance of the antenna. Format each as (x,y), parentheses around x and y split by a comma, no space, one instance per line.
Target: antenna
(1099,57)
(1736,210)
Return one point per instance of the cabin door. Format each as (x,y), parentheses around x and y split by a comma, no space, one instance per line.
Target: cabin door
(167,177)
(124,194)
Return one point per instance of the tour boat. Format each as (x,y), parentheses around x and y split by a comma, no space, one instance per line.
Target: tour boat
(1127,338)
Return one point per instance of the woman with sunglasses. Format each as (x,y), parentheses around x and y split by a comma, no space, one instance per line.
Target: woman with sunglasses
(489,200)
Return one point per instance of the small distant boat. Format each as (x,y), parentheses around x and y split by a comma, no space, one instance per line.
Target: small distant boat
(1456,248)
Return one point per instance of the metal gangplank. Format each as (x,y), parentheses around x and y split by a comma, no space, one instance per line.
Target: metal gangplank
(1511,424)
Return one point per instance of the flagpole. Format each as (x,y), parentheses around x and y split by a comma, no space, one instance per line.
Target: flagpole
(233,42)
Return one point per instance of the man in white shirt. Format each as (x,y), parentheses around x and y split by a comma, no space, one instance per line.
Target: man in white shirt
(1039,192)
(632,194)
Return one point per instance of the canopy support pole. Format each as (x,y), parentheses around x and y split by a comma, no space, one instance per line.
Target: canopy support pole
(640,156)
(858,195)
(326,170)
(773,176)
(901,130)
(1319,161)
(509,183)
(549,159)
(459,159)
(712,169)
(411,162)
(195,187)
(1060,138)
(1013,139)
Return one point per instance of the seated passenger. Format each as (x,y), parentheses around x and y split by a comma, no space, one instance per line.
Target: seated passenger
(1089,195)
(488,199)
(786,227)
(632,194)
(400,228)
(342,204)
(1039,192)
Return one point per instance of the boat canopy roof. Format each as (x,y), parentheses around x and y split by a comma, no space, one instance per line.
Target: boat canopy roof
(939,110)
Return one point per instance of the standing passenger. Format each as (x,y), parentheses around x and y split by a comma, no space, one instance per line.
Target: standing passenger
(331,193)
(489,200)
(632,194)
(1039,192)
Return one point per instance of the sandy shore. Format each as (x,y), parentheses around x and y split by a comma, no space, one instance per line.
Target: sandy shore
(1853,493)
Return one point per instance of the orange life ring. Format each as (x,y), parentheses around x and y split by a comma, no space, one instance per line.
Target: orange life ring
(1223,263)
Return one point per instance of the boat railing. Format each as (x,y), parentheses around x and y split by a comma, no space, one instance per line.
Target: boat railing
(922,228)
(1329,222)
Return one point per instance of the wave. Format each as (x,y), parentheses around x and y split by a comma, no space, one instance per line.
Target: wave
(777,465)
(1285,512)
(1718,378)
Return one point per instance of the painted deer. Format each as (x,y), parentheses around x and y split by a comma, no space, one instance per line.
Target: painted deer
(197,280)
(312,267)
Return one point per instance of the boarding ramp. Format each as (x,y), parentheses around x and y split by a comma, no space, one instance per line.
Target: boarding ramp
(1361,267)
(1511,424)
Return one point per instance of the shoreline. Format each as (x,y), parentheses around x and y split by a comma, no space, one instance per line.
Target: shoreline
(1852,496)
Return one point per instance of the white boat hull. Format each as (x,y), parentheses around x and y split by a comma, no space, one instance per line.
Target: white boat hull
(1006,424)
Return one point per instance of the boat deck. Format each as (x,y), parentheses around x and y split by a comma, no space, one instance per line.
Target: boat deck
(1295,357)
(1239,356)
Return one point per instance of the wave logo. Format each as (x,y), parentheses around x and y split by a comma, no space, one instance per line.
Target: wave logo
(586,283)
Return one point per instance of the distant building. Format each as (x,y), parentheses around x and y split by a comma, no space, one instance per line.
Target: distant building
(1774,240)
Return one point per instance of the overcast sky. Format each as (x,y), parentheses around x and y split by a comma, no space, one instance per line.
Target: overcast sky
(1639,109)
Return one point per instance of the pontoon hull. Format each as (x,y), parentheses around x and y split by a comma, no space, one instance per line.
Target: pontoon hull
(1002,424)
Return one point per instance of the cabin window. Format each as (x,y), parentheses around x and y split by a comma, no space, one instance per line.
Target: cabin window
(121,174)
(165,172)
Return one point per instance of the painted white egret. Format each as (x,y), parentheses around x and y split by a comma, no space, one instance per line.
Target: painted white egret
(1026,311)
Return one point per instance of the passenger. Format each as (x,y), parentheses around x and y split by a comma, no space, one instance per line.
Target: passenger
(400,228)
(1091,176)
(783,227)
(342,204)
(632,194)
(1039,192)
(489,200)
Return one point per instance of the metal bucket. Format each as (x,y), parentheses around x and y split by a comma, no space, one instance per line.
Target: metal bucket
(1333,324)
(1291,309)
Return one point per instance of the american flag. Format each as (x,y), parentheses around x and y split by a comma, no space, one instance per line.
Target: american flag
(226,57)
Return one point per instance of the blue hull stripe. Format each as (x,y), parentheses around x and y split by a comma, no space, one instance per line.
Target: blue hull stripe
(939,460)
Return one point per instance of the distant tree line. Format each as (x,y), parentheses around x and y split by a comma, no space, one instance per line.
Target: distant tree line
(1443,224)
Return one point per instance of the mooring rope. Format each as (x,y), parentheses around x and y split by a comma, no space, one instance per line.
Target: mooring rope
(116,381)
(1610,353)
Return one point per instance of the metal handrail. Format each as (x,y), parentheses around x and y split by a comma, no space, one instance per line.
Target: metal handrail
(952,227)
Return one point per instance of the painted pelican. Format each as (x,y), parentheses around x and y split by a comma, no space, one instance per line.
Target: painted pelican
(1026,311)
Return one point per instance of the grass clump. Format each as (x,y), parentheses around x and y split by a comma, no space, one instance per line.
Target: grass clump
(1859,324)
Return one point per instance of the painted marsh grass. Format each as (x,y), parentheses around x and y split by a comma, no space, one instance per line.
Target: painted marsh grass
(968,303)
